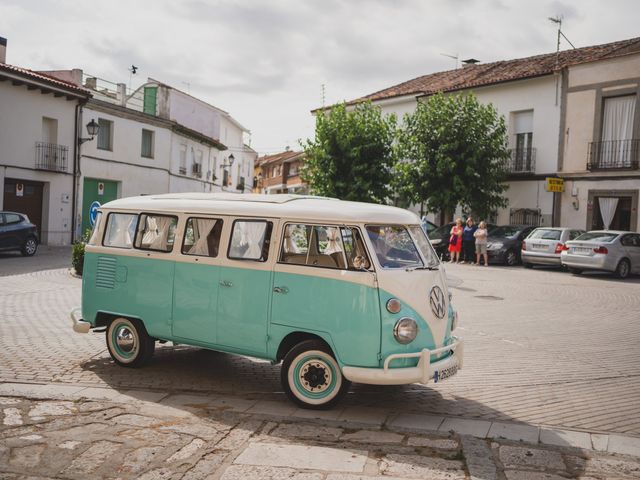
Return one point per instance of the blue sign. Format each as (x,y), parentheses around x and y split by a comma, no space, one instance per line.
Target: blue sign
(93,212)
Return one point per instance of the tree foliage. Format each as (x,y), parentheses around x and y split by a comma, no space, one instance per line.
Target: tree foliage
(454,152)
(352,154)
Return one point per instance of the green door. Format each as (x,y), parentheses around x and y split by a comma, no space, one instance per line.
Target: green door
(95,190)
(149,102)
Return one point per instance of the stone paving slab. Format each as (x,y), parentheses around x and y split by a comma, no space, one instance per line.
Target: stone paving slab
(97,438)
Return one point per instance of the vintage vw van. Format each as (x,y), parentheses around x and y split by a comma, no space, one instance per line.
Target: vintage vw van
(337,291)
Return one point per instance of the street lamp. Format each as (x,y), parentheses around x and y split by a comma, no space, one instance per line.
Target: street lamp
(230,159)
(92,129)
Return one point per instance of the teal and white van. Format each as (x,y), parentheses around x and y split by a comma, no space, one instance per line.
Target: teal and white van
(337,291)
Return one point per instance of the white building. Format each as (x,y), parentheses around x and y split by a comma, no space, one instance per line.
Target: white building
(531,94)
(156,139)
(37,148)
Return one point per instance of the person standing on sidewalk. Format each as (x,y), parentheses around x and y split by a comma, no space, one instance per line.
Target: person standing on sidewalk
(455,241)
(469,241)
(481,243)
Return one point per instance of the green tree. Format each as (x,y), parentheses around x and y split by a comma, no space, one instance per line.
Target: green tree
(454,152)
(352,154)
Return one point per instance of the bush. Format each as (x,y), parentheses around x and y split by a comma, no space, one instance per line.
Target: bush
(77,253)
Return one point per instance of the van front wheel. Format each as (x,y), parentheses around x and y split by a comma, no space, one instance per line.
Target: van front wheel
(311,377)
(128,342)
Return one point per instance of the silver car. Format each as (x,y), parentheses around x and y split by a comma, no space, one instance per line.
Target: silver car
(544,245)
(612,251)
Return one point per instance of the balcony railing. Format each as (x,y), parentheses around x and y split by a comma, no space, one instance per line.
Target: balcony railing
(522,161)
(613,154)
(196,170)
(51,156)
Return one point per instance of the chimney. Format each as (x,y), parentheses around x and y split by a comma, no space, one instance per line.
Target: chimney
(122,94)
(3,50)
(470,61)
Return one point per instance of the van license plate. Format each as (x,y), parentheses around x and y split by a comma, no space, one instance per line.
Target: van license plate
(443,374)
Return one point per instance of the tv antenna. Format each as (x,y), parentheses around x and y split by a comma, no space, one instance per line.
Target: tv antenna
(323,94)
(456,57)
(558,21)
(132,71)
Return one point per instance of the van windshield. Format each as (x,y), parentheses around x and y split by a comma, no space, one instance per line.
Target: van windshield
(393,246)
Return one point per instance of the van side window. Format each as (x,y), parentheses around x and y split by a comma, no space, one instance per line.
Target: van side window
(250,240)
(313,245)
(121,228)
(202,237)
(357,258)
(156,232)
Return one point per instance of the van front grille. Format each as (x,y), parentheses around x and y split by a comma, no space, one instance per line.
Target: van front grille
(106,272)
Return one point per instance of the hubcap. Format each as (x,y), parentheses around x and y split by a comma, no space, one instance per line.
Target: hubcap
(315,376)
(125,340)
(31,246)
(623,269)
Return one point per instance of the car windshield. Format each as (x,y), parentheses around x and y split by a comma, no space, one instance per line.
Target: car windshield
(424,245)
(440,232)
(506,231)
(546,234)
(393,246)
(597,237)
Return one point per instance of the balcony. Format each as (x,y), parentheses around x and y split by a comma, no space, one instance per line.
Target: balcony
(522,161)
(613,155)
(196,170)
(51,156)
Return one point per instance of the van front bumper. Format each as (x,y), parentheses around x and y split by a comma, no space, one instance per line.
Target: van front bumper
(421,373)
(79,325)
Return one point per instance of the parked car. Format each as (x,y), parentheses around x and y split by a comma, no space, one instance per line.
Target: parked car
(428,226)
(612,251)
(440,240)
(544,245)
(504,243)
(18,233)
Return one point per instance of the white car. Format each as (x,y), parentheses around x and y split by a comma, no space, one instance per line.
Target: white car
(544,245)
(611,251)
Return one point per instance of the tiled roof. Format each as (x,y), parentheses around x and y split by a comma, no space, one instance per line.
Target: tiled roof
(30,74)
(278,157)
(503,71)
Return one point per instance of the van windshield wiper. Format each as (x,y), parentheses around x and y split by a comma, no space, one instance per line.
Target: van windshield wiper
(423,267)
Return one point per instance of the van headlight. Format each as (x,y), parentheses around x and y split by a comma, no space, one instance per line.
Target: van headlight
(405,330)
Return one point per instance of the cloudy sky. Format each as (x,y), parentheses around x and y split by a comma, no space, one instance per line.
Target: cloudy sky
(264,61)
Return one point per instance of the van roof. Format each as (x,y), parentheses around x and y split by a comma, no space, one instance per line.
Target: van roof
(300,207)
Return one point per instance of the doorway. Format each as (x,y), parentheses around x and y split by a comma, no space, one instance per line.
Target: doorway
(621,218)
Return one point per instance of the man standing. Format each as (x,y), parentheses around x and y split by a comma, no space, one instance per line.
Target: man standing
(468,241)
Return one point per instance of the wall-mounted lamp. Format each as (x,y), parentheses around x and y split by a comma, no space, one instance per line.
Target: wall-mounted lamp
(230,159)
(92,130)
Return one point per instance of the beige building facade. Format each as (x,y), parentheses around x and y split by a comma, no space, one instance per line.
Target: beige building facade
(600,158)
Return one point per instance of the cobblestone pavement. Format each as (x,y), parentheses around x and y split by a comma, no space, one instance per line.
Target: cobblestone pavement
(174,439)
(542,347)
(46,258)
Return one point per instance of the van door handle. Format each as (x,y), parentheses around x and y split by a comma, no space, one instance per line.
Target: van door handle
(280,290)
(226,283)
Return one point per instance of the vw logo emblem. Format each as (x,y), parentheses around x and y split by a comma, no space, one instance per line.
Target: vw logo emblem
(437,302)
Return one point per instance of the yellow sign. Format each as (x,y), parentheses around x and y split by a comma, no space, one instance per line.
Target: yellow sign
(555,184)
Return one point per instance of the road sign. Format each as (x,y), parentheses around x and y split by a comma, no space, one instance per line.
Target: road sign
(93,212)
(554,184)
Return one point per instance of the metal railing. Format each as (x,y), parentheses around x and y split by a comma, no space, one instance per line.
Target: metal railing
(525,216)
(51,156)
(613,154)
(196,170)
(523,160)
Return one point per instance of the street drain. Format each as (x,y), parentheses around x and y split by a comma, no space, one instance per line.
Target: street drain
(489,297)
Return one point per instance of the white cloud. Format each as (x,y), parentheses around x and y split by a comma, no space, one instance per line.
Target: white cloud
(265,61)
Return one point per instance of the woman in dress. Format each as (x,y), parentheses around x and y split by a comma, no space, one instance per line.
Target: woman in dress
(455,241)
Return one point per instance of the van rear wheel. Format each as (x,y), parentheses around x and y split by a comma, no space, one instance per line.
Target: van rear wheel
(128,342)
(311,377)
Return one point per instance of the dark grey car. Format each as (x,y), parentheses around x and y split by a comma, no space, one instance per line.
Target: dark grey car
(505,242)
(18,233)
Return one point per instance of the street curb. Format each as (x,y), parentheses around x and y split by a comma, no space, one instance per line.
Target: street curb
(350,416)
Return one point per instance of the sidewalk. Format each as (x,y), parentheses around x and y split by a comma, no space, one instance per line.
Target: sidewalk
(68,431)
